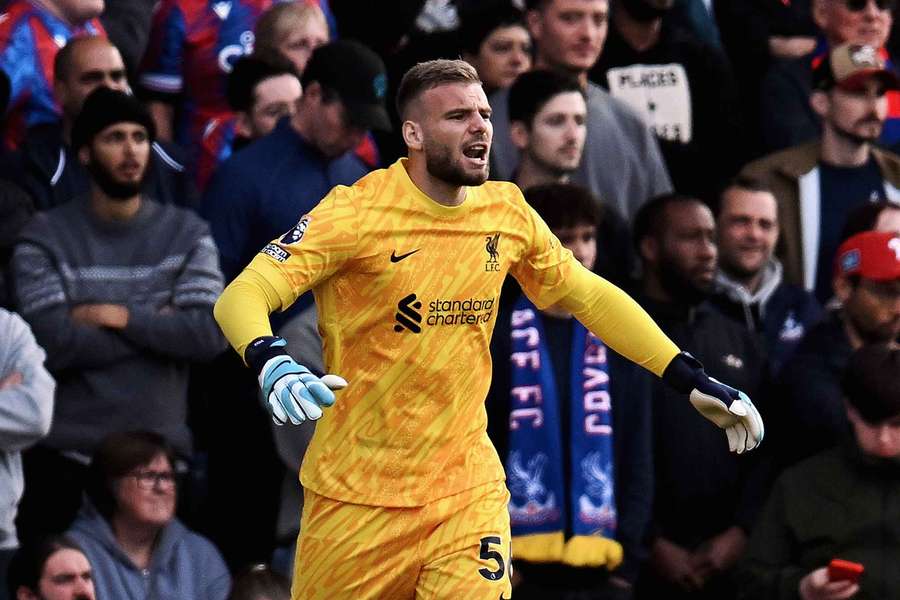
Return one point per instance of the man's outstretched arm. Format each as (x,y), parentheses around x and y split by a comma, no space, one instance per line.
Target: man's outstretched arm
(621,323)
(549,274)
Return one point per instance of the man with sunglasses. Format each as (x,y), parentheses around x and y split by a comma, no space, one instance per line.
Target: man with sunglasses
(820,183)
(787,118)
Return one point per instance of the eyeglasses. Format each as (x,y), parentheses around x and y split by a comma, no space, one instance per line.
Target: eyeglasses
(147,480)
(860,5)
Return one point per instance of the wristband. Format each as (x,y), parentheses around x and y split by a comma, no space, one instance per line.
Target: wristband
(682,372)
(262,349)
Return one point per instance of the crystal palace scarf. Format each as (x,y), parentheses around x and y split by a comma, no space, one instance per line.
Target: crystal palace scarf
(538,507)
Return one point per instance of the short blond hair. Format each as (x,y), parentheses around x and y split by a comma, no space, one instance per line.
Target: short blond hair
(431,74)
(276,23)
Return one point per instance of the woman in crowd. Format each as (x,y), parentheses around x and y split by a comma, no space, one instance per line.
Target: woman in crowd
(292,30)
(495,41)
(128,530)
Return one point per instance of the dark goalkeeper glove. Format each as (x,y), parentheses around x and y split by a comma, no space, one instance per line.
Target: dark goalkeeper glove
(727,407)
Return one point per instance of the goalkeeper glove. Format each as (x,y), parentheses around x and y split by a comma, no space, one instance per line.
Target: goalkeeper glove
(289,391)
(725,406)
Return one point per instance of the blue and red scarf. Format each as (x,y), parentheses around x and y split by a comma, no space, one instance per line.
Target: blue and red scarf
(540,508)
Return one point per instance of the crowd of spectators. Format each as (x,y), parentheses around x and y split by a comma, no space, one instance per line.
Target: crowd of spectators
(731,163)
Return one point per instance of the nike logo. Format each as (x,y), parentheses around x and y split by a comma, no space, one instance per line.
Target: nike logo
(396,259)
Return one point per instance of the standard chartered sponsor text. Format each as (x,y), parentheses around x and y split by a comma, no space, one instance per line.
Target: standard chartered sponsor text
(471,311)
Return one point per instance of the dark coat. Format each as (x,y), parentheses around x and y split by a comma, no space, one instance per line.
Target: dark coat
(811,415)
(701,488)
(780,321)
(837,504)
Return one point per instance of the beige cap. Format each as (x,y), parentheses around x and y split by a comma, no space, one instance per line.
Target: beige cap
(849,66)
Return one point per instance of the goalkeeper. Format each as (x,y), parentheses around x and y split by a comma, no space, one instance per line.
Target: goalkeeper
(404,493)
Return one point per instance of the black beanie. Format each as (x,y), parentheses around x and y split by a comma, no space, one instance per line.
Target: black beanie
(871,382)
(105,107)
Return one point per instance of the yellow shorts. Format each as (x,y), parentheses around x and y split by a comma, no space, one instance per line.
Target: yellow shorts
(456,548)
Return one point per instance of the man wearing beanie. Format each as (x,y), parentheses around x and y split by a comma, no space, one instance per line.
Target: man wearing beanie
(119,290)
(866,283)
(51,172)
(843,503)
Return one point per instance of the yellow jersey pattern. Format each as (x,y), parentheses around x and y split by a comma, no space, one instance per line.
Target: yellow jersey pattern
(407,293)
(455,547)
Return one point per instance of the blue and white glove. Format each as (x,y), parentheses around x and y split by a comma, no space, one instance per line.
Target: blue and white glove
(727,407)
(290,391)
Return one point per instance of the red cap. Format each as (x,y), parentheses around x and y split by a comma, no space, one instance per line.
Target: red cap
(870,254)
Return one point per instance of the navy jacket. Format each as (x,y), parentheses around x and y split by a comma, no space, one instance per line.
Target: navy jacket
(779,313)
(811,415)
(790,312)
(262,191)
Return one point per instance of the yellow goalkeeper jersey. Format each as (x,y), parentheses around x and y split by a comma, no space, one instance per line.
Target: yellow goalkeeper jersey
(407,292)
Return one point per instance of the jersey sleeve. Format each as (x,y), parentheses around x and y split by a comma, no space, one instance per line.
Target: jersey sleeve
(314,249)
(543,269)
(161,70)
(311,252)
(613,316)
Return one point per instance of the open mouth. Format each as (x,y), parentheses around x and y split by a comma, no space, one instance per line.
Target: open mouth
(477,151)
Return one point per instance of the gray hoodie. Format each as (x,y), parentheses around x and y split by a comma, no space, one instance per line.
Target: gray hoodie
(778,312)
(736,292)
(183,566)
(26,410)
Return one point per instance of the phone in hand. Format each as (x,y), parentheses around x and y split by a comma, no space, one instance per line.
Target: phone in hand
(844,570)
